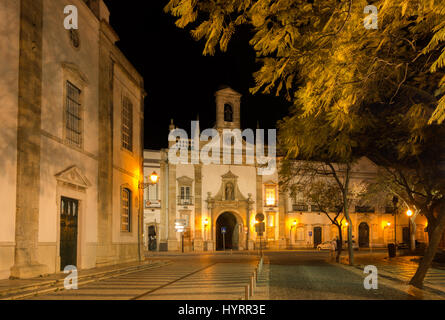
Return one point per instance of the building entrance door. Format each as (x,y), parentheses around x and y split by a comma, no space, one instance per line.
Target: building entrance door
(69,211)
(227,221)
(405,235)
(363,235)
(317,236)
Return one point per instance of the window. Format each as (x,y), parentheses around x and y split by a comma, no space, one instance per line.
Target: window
(73,115)
(270,196)
(185,196)
(127,124)
(153,192)
(228,113)
(298,202)
(126,210)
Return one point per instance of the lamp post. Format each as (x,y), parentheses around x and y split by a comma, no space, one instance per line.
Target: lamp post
(206,223)
(409,213)
(294,224)
(395,200)
(153,178)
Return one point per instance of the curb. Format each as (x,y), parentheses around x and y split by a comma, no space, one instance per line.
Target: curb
(413,291)
(55,285)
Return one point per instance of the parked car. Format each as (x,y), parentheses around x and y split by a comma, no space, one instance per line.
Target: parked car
(324,246)
(354,245)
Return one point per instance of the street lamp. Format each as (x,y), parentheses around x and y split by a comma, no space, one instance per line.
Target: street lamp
(294,224)
(153,179)
(409,213)
(395,200)
(206,223)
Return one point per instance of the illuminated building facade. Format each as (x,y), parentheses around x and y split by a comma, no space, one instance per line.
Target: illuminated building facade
(213,198)
(72,112)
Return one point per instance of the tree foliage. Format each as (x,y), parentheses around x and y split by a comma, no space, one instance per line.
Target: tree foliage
(320,55)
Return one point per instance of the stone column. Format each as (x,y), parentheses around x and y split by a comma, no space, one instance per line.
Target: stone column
(172,241)
(28,142)
(104,255)
(198,244)
(164,184)
(259,207)
(283,202)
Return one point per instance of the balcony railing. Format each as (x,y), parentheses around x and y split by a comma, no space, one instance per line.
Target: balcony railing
(300,207)
(364,209)
(315,208)
(185,201)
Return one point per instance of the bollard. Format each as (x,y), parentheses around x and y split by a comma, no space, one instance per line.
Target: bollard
(246,292)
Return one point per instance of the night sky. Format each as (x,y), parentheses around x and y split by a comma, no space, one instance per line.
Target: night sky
(180,81)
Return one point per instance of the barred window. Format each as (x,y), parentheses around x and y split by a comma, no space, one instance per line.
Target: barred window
(127,124)
(73,115)
(126,210)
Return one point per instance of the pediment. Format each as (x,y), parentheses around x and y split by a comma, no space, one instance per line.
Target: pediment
(228,91)
(73,175)
(229,182)
(185,181)
(229,175)
(75,71)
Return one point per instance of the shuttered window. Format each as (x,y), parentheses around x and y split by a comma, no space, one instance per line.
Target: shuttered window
(73,115)
(127,124)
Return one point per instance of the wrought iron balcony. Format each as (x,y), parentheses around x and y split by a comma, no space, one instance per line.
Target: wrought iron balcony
(315,208)
(185,201)
(300,207)
(364,209)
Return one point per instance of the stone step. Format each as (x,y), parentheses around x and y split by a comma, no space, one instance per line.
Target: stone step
(49,286)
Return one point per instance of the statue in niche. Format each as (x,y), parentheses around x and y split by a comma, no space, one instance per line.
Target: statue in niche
(229,191)
(228,113)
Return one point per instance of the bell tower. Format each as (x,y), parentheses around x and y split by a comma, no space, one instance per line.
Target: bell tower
(228,103)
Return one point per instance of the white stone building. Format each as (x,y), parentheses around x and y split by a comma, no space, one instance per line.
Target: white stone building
(214,196)
(71,137)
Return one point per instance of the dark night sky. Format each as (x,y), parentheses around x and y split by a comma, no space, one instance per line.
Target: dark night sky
(180,81)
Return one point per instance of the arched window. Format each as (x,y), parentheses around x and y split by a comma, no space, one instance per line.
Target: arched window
(228,113)
(126,210)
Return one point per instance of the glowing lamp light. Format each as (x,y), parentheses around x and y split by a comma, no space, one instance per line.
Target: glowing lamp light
(206,221)
(294,223)
(346,223)
(154,177)
(388,224)
(409,213)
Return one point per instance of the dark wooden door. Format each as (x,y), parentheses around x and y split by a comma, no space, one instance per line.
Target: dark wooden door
(317,236)
(405,235)
(363,235)
(69,211)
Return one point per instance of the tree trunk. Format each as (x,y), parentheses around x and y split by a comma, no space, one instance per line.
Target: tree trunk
(340,245)
(425,263)
(348,219)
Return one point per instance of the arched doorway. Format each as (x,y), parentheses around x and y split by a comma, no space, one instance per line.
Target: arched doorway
(228,221)
(363,235)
